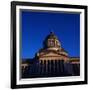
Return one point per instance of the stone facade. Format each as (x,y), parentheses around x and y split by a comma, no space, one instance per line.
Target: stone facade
(52,49)
(52,60)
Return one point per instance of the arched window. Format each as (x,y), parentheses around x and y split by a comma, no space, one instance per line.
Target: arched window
(51,43)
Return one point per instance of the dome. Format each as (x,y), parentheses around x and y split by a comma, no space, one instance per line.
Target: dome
(52,49)
(51,36)
(51,41)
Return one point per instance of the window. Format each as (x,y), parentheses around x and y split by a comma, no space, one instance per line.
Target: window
(51,43)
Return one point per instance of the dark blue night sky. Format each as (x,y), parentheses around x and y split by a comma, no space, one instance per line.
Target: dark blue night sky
(37,25)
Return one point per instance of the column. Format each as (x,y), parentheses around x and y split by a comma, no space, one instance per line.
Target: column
(42,67)
(54,67)
(46,66)
(57,66)
(50,66)
(39,71)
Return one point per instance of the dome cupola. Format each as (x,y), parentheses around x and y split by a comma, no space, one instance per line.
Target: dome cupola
(51,41)
(52,49)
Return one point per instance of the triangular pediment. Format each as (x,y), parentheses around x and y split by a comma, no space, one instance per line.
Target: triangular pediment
(51,54)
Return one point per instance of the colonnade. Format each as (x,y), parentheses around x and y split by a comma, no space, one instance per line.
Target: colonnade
(51,67)
(46,68)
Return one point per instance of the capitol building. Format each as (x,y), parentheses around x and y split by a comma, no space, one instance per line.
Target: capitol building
(51,61)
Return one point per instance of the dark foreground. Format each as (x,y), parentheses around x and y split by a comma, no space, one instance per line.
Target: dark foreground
(37,69)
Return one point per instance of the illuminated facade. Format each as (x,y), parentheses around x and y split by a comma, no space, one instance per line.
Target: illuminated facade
(51,60)
(52,49)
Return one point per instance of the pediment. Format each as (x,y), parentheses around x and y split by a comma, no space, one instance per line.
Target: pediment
(50,54)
